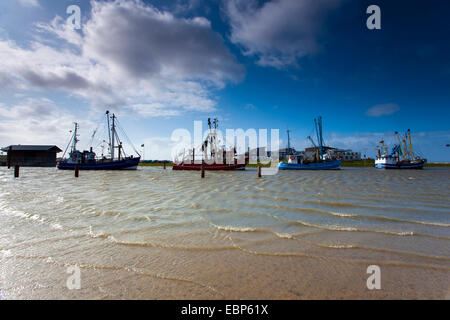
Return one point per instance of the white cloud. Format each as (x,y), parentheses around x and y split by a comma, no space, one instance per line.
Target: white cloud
(159,148)
(278,32)
(29,3)
(37,109)
(36,121)
(382,110)
(144,42)
(128,55)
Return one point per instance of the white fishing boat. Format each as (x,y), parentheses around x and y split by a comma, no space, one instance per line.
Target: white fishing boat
(402,155)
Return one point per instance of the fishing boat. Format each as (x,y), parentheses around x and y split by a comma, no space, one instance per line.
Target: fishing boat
(319,160)
(402,155)
(87,160)
(211,156)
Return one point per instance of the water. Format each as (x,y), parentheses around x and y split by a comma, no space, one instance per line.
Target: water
(159,234)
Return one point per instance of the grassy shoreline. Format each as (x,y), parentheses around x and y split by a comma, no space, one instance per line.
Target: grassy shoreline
(157,164)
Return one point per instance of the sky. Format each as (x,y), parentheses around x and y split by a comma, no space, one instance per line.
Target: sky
(160,65)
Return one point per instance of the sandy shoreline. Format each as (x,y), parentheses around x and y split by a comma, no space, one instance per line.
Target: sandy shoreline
(151,272)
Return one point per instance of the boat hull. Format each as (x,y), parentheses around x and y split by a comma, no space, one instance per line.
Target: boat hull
(326,165)
(126,164)
(400,165)
(210,167)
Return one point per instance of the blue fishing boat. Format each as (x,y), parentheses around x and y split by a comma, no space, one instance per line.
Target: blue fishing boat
(87,160)
(402,155)
(318,161)
(325,165)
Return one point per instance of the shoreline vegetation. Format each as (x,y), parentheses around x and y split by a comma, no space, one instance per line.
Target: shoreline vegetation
(367,163)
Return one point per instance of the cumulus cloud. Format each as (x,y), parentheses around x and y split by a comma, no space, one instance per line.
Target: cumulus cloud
(33,108)
(277,32)
(143,41)
(28,3)
(36,121)
(128,54)
(382,110)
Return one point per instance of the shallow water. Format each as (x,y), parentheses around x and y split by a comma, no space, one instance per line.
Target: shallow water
(155,233)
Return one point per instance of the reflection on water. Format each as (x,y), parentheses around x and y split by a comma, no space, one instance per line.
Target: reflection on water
(156,233)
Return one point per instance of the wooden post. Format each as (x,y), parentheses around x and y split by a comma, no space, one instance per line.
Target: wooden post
(16,171)
(8,157)
(203,171)
(259,170)
(164,165)
(77,171)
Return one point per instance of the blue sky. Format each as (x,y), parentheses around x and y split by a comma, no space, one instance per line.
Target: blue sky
(161,65)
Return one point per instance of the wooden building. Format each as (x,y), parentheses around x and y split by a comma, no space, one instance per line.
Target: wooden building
(31,156)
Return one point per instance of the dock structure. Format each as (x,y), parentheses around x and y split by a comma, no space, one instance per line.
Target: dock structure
(31,155)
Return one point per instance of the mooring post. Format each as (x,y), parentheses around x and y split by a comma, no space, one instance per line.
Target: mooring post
(203,171)
(8,157)
(77,171)
(16,171)
(259,170)
(164,165)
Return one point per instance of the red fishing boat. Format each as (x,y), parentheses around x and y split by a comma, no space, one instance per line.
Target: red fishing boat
(211,157)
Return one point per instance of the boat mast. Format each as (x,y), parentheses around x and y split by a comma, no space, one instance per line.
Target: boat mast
(405,145)
(109,132)
(216,125)
(207,141)
(289,141)
(410,145)
(321,137)
(318,125)
(401,146)
(113,130)
(75,139)
(312,141)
